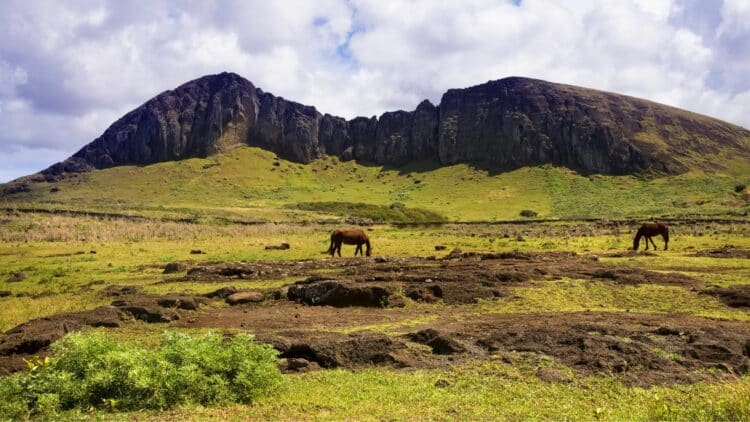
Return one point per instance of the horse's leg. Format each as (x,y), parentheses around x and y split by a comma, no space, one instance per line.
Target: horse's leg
(338,247)
(646,242)
(359,249)
(652,242)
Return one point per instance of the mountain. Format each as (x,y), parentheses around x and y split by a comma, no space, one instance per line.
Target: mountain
(504,124)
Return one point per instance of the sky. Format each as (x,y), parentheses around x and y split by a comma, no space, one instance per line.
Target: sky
(68,69)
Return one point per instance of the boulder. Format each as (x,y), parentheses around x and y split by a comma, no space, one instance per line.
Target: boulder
(342,294)
(281,247)
(441,344)
(16,277)
(174,267)
(37,334)
(245,297)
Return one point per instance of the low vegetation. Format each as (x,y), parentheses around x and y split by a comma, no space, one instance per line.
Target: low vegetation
(394,213)
(250,184)
(68,260)
(91,370)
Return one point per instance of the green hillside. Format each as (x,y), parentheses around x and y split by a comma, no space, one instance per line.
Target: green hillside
(252,184)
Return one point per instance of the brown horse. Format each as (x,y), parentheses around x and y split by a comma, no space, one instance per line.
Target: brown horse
(651,229)
(349,237)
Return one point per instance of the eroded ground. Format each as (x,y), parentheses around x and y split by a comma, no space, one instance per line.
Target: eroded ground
(646,320)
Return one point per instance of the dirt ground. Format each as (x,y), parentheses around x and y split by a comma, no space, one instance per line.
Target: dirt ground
(335,316)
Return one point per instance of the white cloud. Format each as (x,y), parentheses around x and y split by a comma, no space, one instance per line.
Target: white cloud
(68,69)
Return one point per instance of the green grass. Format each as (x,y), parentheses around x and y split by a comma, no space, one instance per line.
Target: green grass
(245,184)
(395,212)
(582,295)
(61,279)
(479,391)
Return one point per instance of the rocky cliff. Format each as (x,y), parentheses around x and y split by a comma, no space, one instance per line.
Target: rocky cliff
(507,123)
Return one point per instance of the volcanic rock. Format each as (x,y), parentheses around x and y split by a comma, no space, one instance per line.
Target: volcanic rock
(507,123)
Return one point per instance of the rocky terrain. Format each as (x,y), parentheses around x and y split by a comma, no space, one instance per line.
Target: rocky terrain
(508,123)
(309,321)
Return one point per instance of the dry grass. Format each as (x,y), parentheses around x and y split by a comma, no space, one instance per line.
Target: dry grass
(21,227)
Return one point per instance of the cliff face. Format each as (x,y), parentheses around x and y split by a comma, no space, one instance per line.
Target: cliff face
(508,123)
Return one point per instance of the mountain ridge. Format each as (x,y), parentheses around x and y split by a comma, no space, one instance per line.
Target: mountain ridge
(506,123)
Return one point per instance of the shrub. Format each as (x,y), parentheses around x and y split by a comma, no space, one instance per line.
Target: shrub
(528,213)
(91,370)
(739,188)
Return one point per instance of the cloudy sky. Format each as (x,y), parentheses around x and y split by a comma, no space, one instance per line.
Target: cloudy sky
(68,69)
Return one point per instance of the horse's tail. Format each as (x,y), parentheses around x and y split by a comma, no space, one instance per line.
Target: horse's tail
(637,239)
(666,236)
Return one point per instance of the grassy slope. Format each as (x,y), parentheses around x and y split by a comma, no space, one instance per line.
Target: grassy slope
(245,183)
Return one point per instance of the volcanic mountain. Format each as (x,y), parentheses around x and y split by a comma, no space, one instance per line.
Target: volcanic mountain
(504,124)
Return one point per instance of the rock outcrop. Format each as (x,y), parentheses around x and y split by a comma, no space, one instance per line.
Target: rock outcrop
(508,123)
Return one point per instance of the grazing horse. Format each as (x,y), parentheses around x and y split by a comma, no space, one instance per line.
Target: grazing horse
(651,229)
(349,237)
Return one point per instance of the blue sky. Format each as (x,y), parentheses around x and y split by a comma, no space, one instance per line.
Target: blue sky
(68,69)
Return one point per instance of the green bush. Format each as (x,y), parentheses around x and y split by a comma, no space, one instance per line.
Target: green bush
(93,370)
(528,213)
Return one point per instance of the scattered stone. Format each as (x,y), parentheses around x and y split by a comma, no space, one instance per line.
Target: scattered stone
(734,296)
(440,247)
(360,349)
(297,365)
(441,344)
(222,293)
(180,302)
(37,334)
(146,312)
(454,254)
(441,383)
(153,309)
(16,277)
(245,297)
(174,267)
(341,294)
(197,252)
(117,291)
(281,247)
(430,294)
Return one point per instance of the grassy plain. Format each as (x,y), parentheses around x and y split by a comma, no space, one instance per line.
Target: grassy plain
(68,259)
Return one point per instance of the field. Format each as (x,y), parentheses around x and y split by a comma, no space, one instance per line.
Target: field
(545,320)
(489,294)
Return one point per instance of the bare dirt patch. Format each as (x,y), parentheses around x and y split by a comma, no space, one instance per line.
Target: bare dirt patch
(423,307)
(734,296)
(727,251)
(641,349)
